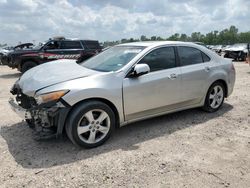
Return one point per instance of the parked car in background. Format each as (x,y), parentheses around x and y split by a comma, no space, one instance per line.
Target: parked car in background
(217,49)
(53,49)
(238,52)
(123,84)
(3,52)
(24,46)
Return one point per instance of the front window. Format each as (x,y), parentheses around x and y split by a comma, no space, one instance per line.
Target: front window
(160,59)
(53,45)
(40,45)
(112,59)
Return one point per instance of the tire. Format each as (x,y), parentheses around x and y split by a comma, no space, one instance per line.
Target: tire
(215,97)
(86,127)
(27,65)
(243,57)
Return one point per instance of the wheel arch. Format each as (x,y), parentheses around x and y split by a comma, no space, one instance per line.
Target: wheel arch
(105,101)
(224,84)
(26,60)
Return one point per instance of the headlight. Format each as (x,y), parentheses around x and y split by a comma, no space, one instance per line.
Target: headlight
(47,97)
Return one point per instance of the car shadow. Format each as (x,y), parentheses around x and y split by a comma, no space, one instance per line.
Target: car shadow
(8,76)
(32,154)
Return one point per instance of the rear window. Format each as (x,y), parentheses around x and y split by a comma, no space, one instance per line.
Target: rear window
(189,55)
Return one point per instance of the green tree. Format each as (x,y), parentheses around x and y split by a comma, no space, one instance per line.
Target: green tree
(153,38)
(174,37)
(143,38)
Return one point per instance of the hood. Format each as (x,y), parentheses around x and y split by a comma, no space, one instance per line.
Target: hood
(21,51)
(236,48)
(52,73)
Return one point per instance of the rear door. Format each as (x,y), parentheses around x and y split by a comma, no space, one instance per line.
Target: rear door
(156,91)
(195,70)
(70,49)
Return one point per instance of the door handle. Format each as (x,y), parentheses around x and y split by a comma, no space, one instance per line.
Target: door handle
(172,76)
(207,69)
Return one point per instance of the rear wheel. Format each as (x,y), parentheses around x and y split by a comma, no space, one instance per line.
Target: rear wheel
(215,97)
(243,57)
(90,124)
(27,65)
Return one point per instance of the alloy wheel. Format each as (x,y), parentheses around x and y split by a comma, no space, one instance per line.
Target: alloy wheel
(216,97)
(93,126)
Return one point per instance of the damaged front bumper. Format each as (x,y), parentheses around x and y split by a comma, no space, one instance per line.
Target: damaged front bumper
(48,120)
(23,113)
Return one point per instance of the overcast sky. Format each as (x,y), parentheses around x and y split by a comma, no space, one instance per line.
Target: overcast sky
(28,20)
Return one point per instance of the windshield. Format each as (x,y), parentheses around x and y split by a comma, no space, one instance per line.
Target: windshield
(113,58)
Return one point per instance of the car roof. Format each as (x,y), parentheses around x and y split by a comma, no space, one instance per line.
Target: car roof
(74,39)
(157,43)
(152,44)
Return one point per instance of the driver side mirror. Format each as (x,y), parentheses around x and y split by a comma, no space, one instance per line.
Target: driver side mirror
(140,69)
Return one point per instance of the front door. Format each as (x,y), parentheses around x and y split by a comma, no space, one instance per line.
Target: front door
(155,92)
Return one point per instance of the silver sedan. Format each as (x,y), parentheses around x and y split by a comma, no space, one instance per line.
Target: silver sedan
(123,84)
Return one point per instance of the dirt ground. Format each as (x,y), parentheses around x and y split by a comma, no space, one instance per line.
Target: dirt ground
(185,149)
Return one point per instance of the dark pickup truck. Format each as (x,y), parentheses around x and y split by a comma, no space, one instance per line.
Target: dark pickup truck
(51,50)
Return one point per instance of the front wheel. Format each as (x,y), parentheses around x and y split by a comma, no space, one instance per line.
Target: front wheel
(215,97)
(90,124)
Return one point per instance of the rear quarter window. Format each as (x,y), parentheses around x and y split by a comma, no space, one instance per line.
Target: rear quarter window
(205,57)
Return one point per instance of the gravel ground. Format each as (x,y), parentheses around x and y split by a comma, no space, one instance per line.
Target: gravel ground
(185,149)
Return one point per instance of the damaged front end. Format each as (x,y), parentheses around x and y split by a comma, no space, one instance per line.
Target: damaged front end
(238,52)
(47,119)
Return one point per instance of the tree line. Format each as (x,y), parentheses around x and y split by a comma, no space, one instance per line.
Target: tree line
(230,35)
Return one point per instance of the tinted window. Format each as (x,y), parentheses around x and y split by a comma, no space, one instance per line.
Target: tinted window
(91,44)
(52,45)
(159,59)
(189,56)
(205,57)
(71,45)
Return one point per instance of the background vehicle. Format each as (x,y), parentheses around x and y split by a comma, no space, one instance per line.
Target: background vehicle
(236,51)
(123,84)
(2,53)
(58,48)
(23,46)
